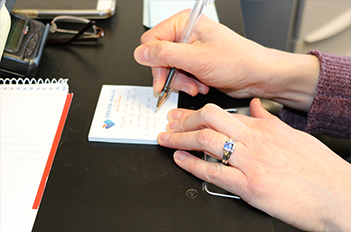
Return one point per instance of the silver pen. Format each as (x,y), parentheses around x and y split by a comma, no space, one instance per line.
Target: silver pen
(186,36)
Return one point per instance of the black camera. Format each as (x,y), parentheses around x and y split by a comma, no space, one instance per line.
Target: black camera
(24,47)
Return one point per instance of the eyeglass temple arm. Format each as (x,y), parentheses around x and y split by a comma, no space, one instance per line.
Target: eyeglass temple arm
(99,34)
(81,32)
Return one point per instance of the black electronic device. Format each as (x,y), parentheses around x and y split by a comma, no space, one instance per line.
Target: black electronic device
(24,47)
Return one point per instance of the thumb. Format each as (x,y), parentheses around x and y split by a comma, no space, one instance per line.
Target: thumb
(257,110)
(164,54)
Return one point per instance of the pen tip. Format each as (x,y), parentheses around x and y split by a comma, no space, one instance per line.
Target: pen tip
(159,99)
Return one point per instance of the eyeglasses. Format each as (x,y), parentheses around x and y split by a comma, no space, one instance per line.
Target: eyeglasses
(66,29)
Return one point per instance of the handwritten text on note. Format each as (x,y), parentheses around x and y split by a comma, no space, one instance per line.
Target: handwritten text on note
(131,112)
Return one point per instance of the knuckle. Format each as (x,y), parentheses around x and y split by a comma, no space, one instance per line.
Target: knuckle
(182,124)
(193,166)
(213,171)
(144,38)
(257,186)
(208,111)
(206,137)
(209,108)
(163,53)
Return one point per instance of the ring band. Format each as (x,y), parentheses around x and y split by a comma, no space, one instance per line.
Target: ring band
(228,150)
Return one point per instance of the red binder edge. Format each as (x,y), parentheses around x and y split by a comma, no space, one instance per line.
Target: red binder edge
(53,151)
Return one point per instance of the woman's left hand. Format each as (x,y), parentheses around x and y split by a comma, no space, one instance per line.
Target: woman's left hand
(287,173)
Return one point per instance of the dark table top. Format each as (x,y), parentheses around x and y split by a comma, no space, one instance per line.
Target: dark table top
(121,187)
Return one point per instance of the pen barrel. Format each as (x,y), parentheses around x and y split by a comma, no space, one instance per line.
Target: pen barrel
(172,73)
(192,21)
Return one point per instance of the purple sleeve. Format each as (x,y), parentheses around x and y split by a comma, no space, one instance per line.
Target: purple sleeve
(330,112)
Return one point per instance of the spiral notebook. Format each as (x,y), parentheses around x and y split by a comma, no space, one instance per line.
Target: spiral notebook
(32,116)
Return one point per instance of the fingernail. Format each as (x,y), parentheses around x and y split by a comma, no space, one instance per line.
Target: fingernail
(187,90)
(201,90)
(180,155)
(164,136)
(175,114)
(172,125)
(142,54)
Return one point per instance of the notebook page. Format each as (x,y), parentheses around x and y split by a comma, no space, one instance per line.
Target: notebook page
(29,117)
(126,114)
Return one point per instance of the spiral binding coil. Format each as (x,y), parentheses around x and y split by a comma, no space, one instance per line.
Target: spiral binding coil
(20,81)
(37,84)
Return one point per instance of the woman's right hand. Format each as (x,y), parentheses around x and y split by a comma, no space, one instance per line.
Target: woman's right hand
(219,57)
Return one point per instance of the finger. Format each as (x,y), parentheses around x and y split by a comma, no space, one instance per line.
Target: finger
(257,110)
(158,47)
(183,82)
(179,113)
(207,140)
(228,178)
(175,114)
(211,116)
(168,54)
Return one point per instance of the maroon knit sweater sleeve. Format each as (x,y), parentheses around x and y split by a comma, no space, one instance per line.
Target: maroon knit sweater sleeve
(330,112)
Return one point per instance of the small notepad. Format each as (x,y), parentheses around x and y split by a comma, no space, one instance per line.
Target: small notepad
(126,114)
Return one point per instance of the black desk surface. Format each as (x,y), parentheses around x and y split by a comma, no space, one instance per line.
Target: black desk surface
(120,187)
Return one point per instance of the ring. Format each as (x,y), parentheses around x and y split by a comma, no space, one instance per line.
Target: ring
(228,150)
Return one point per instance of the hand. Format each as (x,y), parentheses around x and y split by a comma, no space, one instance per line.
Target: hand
(285,172)
(220,58)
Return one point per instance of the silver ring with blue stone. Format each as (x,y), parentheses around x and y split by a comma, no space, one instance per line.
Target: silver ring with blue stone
(228,150)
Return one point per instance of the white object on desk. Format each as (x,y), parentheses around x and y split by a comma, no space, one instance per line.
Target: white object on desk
(126,114)
(5,25)
(155,11)
(31,116)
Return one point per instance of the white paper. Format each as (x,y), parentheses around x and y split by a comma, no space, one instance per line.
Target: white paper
(126,114)
(156,11)
(5,25)
(29,117)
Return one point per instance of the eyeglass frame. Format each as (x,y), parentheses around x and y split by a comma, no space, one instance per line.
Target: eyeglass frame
(81,35)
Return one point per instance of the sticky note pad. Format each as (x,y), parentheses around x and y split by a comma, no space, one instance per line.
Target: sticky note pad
(126,114)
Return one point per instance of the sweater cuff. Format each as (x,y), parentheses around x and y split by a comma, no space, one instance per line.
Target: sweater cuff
(330,112)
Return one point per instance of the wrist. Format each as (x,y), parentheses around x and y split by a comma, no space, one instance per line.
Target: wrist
(292,79)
